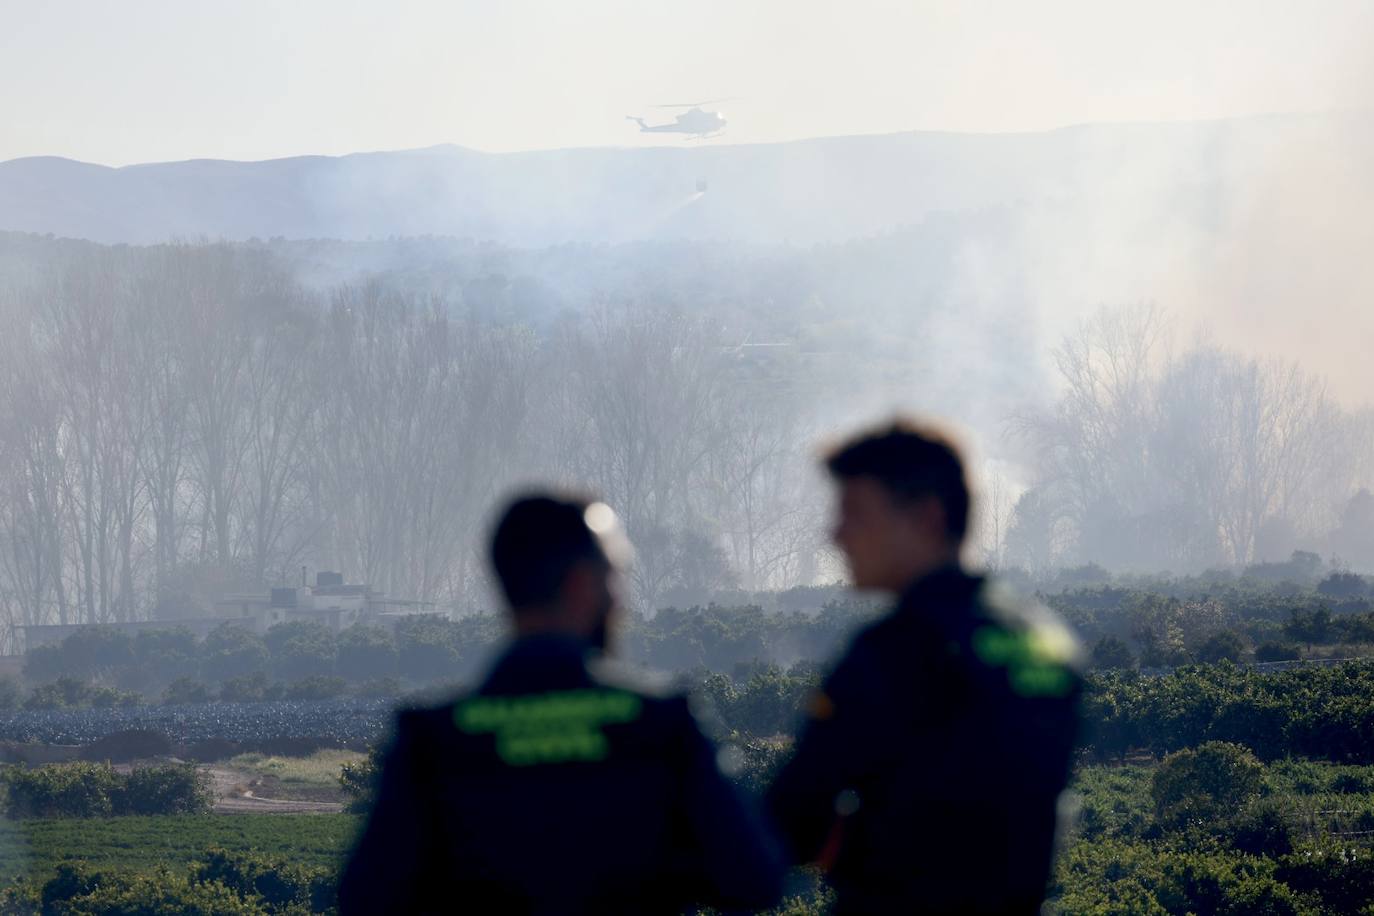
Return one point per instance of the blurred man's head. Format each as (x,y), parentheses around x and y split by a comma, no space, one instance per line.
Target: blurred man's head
(903,504)
(559,559)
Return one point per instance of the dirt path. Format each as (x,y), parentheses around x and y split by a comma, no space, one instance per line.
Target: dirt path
(233,791)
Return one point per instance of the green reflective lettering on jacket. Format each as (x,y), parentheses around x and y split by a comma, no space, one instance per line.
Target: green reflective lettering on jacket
(555,727)
(1035,659)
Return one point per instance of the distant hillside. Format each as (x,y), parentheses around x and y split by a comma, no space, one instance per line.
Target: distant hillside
(800,192)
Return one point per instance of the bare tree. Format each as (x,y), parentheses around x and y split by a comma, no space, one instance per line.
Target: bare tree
(646,381)
(1183,461)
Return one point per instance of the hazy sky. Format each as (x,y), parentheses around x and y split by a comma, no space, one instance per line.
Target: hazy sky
(146,80)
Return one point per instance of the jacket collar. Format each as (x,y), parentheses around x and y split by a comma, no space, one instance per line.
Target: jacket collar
(544,661)
(944,591)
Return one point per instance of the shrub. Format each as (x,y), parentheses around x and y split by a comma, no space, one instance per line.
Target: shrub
(1358,627)
(60,790)
(70,881)
(183,691)
(44,663)
(316,688)
(10,694)
(1224,645)
(86,652)
(1110,652)
(109,697)
(770,703)
(77,891)
(1353,782)
(366,653)
(301,649)
(1278,652)
(173,789)
(1342,584)
(96,790)
(1116,878)
(276,884)
(1310,627)
(1342,877)
(250,688)
(1263,829)
(231,651)
(67,692)
(760,761)
(1206,783)
(167,654)
(22,898)
(819,902)
(427,648)
(61,693)
(359,780)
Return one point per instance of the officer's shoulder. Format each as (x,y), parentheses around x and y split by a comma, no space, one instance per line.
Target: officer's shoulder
(871,653)
(888,631)
(423,716)
(616,674)
(1009,610)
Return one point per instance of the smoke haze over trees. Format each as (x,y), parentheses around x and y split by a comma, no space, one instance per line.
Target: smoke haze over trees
(1153,459)
(181,421)
(188,420)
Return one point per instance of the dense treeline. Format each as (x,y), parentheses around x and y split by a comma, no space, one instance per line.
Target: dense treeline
(102,667)
(237,664)
(1323,713)
(1156,625)
(1326,713)
(1162,623)
(1306,711)
(1295,607)
(182,421)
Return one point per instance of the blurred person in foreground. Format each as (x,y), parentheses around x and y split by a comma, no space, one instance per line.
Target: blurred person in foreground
(566,782)
(927,776)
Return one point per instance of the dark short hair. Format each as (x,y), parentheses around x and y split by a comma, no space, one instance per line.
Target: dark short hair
(539,538)
(912,461)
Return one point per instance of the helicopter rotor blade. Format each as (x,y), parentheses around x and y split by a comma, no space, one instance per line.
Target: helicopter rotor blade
(695,104)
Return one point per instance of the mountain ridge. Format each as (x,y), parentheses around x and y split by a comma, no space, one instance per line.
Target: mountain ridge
(1062,128)
(816,190)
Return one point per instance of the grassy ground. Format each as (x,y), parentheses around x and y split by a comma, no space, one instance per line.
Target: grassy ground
(35,848)
(313,778)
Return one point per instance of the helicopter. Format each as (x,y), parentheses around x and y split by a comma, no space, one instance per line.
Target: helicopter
(696,122)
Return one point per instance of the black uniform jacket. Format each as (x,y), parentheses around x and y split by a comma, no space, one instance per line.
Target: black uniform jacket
(928,774)
(565,784)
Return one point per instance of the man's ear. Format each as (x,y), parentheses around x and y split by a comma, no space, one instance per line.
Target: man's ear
(580,589)
(933,521)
